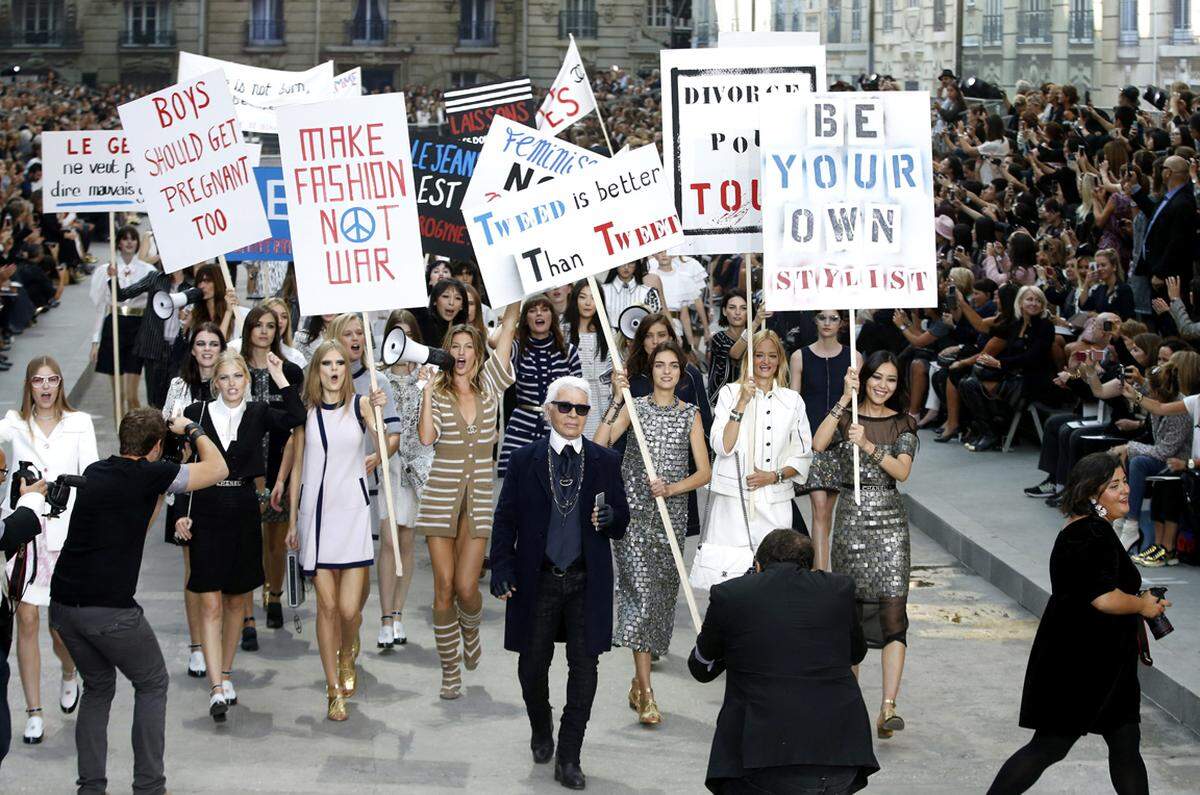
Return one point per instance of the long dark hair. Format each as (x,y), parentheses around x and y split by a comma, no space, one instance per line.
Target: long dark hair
(523,335)
(200,314)
(640,270)
(899,398)
(669,346)
(189,371)
(571,317)
(436,293)
(1086,479)
(638,361)
(252,318)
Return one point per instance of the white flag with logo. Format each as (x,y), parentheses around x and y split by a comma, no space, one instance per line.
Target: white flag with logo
(570,98)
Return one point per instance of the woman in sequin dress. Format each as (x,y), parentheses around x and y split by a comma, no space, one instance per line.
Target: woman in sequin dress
(647,580)
(870,540)
(582,328)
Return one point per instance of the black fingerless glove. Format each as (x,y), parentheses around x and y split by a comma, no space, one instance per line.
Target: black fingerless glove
(500,587)
(604,517)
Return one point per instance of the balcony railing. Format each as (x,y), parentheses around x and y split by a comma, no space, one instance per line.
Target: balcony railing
(580,24)
(61,37)
(147,38)
(368,31)
(264,32)
(1034,27)
(1182,37)
(477,33)
(993,30)
(1080,26)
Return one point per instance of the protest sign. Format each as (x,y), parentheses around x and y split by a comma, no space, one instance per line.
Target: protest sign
(579,226)
(710,138)
(348,83)
(570,98)
(848,188)
(514,158)
(442,168)
(278,246)
(352,198)
(469,111)
(258,92)
(194,171)
(88,171)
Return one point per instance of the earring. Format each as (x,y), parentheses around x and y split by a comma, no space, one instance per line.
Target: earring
(1100,510)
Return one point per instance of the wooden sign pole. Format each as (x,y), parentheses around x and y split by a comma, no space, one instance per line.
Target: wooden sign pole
(118,406)
(381,441)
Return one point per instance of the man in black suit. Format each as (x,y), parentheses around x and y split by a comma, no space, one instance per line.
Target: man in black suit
(793,719)
(1171,230)
(552,564)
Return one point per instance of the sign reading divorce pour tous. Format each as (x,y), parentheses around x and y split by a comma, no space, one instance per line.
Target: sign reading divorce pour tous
(352,204)
(194,171)
(614,213)
(848,188)
(88,171)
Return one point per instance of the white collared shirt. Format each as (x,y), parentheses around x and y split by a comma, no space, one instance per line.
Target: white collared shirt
(226,419)
(558,442)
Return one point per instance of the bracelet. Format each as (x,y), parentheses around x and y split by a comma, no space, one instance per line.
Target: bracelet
(877,456)
(736,416)
(779,476)
(837,411)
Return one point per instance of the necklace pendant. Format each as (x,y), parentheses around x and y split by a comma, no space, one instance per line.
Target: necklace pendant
(565,482)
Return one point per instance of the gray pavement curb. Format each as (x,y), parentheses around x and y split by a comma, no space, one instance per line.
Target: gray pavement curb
(941,522)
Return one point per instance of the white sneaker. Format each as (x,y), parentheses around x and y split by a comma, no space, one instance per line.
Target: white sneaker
(68,694)
(398,633)
(386,638)
(1128,533)
(230,693)
(217,706)
(196,667)
(34,728)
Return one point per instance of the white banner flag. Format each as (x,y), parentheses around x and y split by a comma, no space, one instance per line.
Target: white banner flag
(570,98)
(257,92)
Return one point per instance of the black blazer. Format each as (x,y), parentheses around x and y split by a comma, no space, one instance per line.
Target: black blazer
(245,454)
(150,343)
(519,530)
(1171,240)
(786,638)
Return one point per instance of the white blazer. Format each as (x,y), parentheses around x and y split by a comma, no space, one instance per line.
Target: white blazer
(782,438)
(68,450)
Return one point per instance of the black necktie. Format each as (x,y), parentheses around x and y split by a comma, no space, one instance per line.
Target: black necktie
(566,466)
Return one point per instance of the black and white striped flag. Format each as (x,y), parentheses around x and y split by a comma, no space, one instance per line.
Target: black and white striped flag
(461,100)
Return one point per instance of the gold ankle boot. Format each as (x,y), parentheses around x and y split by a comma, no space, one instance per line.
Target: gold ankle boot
(889,721)
(648,714)
(347,676)
(337,704)
(355,649)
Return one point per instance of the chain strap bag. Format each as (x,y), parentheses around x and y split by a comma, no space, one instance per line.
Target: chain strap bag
(716,563)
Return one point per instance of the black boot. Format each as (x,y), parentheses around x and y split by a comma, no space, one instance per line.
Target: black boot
(569,774)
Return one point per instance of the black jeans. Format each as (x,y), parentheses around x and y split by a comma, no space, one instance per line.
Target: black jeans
(792,780)
(1125,766)
(560,600)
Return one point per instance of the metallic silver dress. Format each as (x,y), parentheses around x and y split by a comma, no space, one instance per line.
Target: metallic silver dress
(871,541)
(647,582)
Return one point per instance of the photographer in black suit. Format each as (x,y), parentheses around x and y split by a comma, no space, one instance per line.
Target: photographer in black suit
(1171,229)
(793,719)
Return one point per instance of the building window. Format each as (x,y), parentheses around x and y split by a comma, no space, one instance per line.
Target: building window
(1129,23)
(889,11)
(38,21)
(658,14)
(266,22)
(833,33)
(856,21)
(1079,24)
(914,3)
(993,23)
(578,18)
(939,15)
(1034,22)
(370,23)
(1182,19)
(464,79)
(477,23)
(148,23)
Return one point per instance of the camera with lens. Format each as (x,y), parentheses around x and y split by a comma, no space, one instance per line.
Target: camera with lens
(58,492)
(1161,626)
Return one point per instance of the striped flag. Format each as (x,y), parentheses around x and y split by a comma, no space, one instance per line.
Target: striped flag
(469,111)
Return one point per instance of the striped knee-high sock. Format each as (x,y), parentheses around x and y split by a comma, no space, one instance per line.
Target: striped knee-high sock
(445,635)
(469,618)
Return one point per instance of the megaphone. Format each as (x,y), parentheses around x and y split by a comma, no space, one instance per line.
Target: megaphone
(631,317)
(166,303)
(397,347)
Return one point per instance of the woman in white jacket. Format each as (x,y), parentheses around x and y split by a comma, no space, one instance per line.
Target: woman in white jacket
(760,435)
(57,440)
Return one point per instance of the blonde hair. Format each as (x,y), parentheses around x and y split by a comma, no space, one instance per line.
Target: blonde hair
(281,310)
(781,372)
(314,394)
(229,356)
(335,329)
(61,406)
(1113,259)
(1186,365)
(1029,289)
(444,383)
(963,279)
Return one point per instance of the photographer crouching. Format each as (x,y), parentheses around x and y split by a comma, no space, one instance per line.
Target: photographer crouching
(91,594)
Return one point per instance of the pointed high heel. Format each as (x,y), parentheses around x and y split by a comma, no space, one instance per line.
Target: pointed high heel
(889,721)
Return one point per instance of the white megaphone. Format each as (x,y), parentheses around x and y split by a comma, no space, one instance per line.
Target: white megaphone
(397,347)
(167,303)
(631,317)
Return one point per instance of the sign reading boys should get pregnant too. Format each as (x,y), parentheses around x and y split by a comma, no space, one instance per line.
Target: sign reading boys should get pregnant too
(352,204)
(848,201)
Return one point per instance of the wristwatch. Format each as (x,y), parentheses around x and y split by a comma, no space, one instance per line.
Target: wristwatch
(736,416)
(1191,465)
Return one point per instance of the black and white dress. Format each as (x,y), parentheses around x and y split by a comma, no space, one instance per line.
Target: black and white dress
(536,365)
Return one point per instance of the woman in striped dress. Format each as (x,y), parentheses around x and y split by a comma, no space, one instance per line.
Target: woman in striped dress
(458,417)
(539,355)
(583,331)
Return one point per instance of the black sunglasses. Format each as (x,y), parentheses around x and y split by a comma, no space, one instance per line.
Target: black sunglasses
(565,406)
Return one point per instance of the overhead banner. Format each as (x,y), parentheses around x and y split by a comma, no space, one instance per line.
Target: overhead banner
(515,158)
(848,185)
(259,92)
(88,171)
(194,171)
(615,213)
(710,110)
(279,245)
(469,111)
(350,191)
(443,167)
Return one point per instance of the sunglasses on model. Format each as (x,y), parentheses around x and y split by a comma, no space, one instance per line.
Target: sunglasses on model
(565,406)
(45,380)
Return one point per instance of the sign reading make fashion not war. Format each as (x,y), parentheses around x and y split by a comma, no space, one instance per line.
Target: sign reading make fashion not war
(88,171)
(615,213)
(352,204)
(259,92)
(848,186)
(710,113)
(442,168)
(279,245)
(515,158)
(194,171)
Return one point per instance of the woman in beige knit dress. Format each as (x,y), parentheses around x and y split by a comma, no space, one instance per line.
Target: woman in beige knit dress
(458,416)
